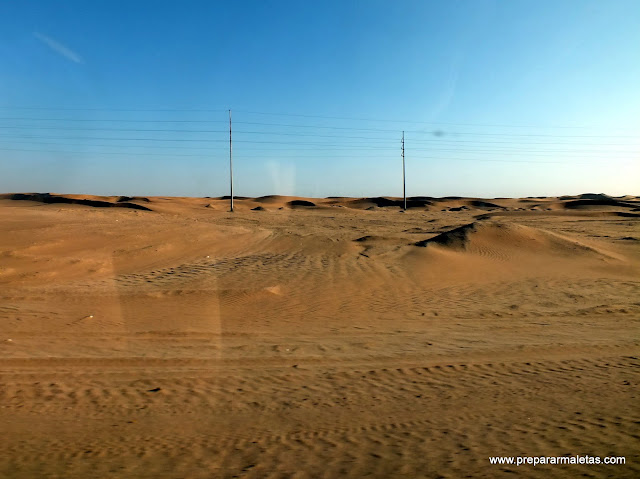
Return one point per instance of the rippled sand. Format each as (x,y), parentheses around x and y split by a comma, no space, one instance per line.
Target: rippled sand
(300,337)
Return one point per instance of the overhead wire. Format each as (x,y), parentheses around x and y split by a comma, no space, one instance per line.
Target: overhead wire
(472,150)
(437,135)
(493,125)
(203,156)
(505,144)
(291,115)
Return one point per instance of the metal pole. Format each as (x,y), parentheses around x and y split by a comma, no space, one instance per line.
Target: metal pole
(404,183)
(230,163)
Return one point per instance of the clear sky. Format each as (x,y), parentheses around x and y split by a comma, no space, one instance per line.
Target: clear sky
(497,98)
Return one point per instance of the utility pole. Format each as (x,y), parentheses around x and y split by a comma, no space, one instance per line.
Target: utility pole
(404,183)
(230,162)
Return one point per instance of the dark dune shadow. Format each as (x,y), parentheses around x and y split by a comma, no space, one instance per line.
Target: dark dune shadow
(122,199)
(48,198)
(598,202)
(594,196)
(422,198)
(300,203)
(382,202)
(456,238)
(484,204)
(268,198)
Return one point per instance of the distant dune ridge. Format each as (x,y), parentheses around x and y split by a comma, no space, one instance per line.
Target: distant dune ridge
(48,198)
(585,202)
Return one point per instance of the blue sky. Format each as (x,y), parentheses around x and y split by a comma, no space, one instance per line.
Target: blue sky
(497,98)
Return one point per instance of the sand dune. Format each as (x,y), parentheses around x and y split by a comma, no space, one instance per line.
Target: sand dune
(285,340)
(484,236)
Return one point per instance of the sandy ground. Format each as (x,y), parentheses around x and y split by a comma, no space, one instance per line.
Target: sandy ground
(317,338)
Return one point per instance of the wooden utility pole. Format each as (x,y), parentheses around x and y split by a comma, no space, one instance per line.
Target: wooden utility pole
(230,163)
(404,183)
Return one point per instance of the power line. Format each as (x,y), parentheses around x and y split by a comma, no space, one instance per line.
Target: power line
(103,152)
(518,151)
(162,147)
(349,137)
(117,139)
(13,127)
(504,151)
(541,135)
(162,130)
(422,132)
(181,110)
(522,144)
(418,122)
(446,158)
(62,128)
(311,146)
(436,133)
(314,135)
(537,152)
(316,126)
(205,156)
(108,120)
(295,115)
(92,152)
(129,154)
(358,137)
(505,144)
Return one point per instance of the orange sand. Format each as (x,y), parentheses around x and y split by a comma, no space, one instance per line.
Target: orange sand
(166,337)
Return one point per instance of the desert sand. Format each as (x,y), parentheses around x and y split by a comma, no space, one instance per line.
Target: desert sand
(317,338)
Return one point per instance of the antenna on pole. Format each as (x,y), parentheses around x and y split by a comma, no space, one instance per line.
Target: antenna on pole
(230,163)
(404,183)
